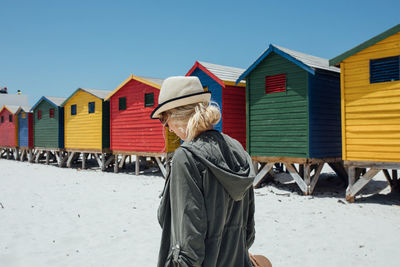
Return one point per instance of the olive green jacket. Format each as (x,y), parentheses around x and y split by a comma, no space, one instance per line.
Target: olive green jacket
(207,207)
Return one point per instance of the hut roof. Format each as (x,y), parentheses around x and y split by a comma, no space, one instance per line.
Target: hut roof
(154,82)
(55,101)
(335,61)
(102,94)
(220,73)
(305,61)
(13,109)
(23,108)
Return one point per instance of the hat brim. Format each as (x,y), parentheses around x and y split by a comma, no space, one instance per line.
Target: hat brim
(179,102)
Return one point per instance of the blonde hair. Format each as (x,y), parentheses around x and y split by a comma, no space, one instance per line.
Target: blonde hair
(197,117)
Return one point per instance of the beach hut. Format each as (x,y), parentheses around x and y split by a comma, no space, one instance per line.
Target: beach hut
(8,131)
(48,129)
(25,133)
(131,129)
(370,82)
(230,97)
(293,114)
(87,127)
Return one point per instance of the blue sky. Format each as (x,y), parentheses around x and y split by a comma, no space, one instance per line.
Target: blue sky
(53,47)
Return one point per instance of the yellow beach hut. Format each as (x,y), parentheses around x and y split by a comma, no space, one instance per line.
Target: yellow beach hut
(87,127)
(370,104)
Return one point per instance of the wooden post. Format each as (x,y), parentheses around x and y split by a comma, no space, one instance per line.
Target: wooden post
(307,176)
(122,162)
(103,161)
(315,177)
(8,154)
(47,157)
(70,157)
(360,183)
(115,163)
(137,165)
(293,172)
(161,166)
(267,167)
(84,161)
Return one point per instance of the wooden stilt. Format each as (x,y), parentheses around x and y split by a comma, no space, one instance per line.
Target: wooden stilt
(161,166)
(137,165)
(47,157)
(122,162)
(115,163)
(265,169)
(315,178)
(97,159)
(103,162)
(360,183)
(307,176)
(84,161)
(70,158)
(300,182)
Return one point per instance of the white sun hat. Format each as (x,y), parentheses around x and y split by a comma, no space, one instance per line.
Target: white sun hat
(179,91)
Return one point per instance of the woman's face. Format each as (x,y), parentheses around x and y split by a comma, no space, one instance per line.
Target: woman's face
(177,128)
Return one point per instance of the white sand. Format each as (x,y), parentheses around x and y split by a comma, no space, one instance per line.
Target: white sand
(53,216)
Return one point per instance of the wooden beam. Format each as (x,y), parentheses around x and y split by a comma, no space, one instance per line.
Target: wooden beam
(372,164)
(122,162)
(84,161)
(339,169)
(109,160)
(360,183)
(115,163)
(262,173)
(103,162)
(300,182)
(70,158)
(315,178)
(97,159)
(137,165)
(161,166)
(47,157)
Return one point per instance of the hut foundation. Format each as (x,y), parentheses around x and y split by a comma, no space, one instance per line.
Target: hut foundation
(161,159)
(361,172)
(306,175)
(104,159)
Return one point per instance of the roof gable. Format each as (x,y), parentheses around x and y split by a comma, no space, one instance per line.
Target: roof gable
(221,74)
(154,82)
(11,108)
(365,45)
(54,101)
(101,94)
(307,62)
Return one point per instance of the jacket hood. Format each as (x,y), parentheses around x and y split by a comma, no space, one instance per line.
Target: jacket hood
(226,159)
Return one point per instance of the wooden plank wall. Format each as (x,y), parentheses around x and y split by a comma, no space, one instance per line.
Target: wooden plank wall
(7,129)
(46,130)
(371,121)
(277,122)
(83,130)
(324,115)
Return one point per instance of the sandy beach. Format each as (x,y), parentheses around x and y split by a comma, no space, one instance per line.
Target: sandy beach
(54,216)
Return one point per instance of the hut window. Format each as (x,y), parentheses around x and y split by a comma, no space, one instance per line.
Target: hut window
(384,69)
(122,103)
(149,100)
(73,109)
(39,114)
(10,118)
(23,115)
(91,107)
(51,113)
(275,83)
(2,119)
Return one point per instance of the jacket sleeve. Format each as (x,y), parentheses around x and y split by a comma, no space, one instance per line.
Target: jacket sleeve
(188,214)
(250,230)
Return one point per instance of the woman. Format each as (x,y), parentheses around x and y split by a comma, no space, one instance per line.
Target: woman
(207,207)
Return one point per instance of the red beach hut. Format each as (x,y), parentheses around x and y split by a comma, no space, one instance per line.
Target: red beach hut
(8,131)
(132,132)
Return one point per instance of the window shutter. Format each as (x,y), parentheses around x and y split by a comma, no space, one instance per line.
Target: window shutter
(73,109)
(384,69)
(39,114)
(51,113)
(91,107)
(10,118)
(275,83)
(122,103)
(149,100)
